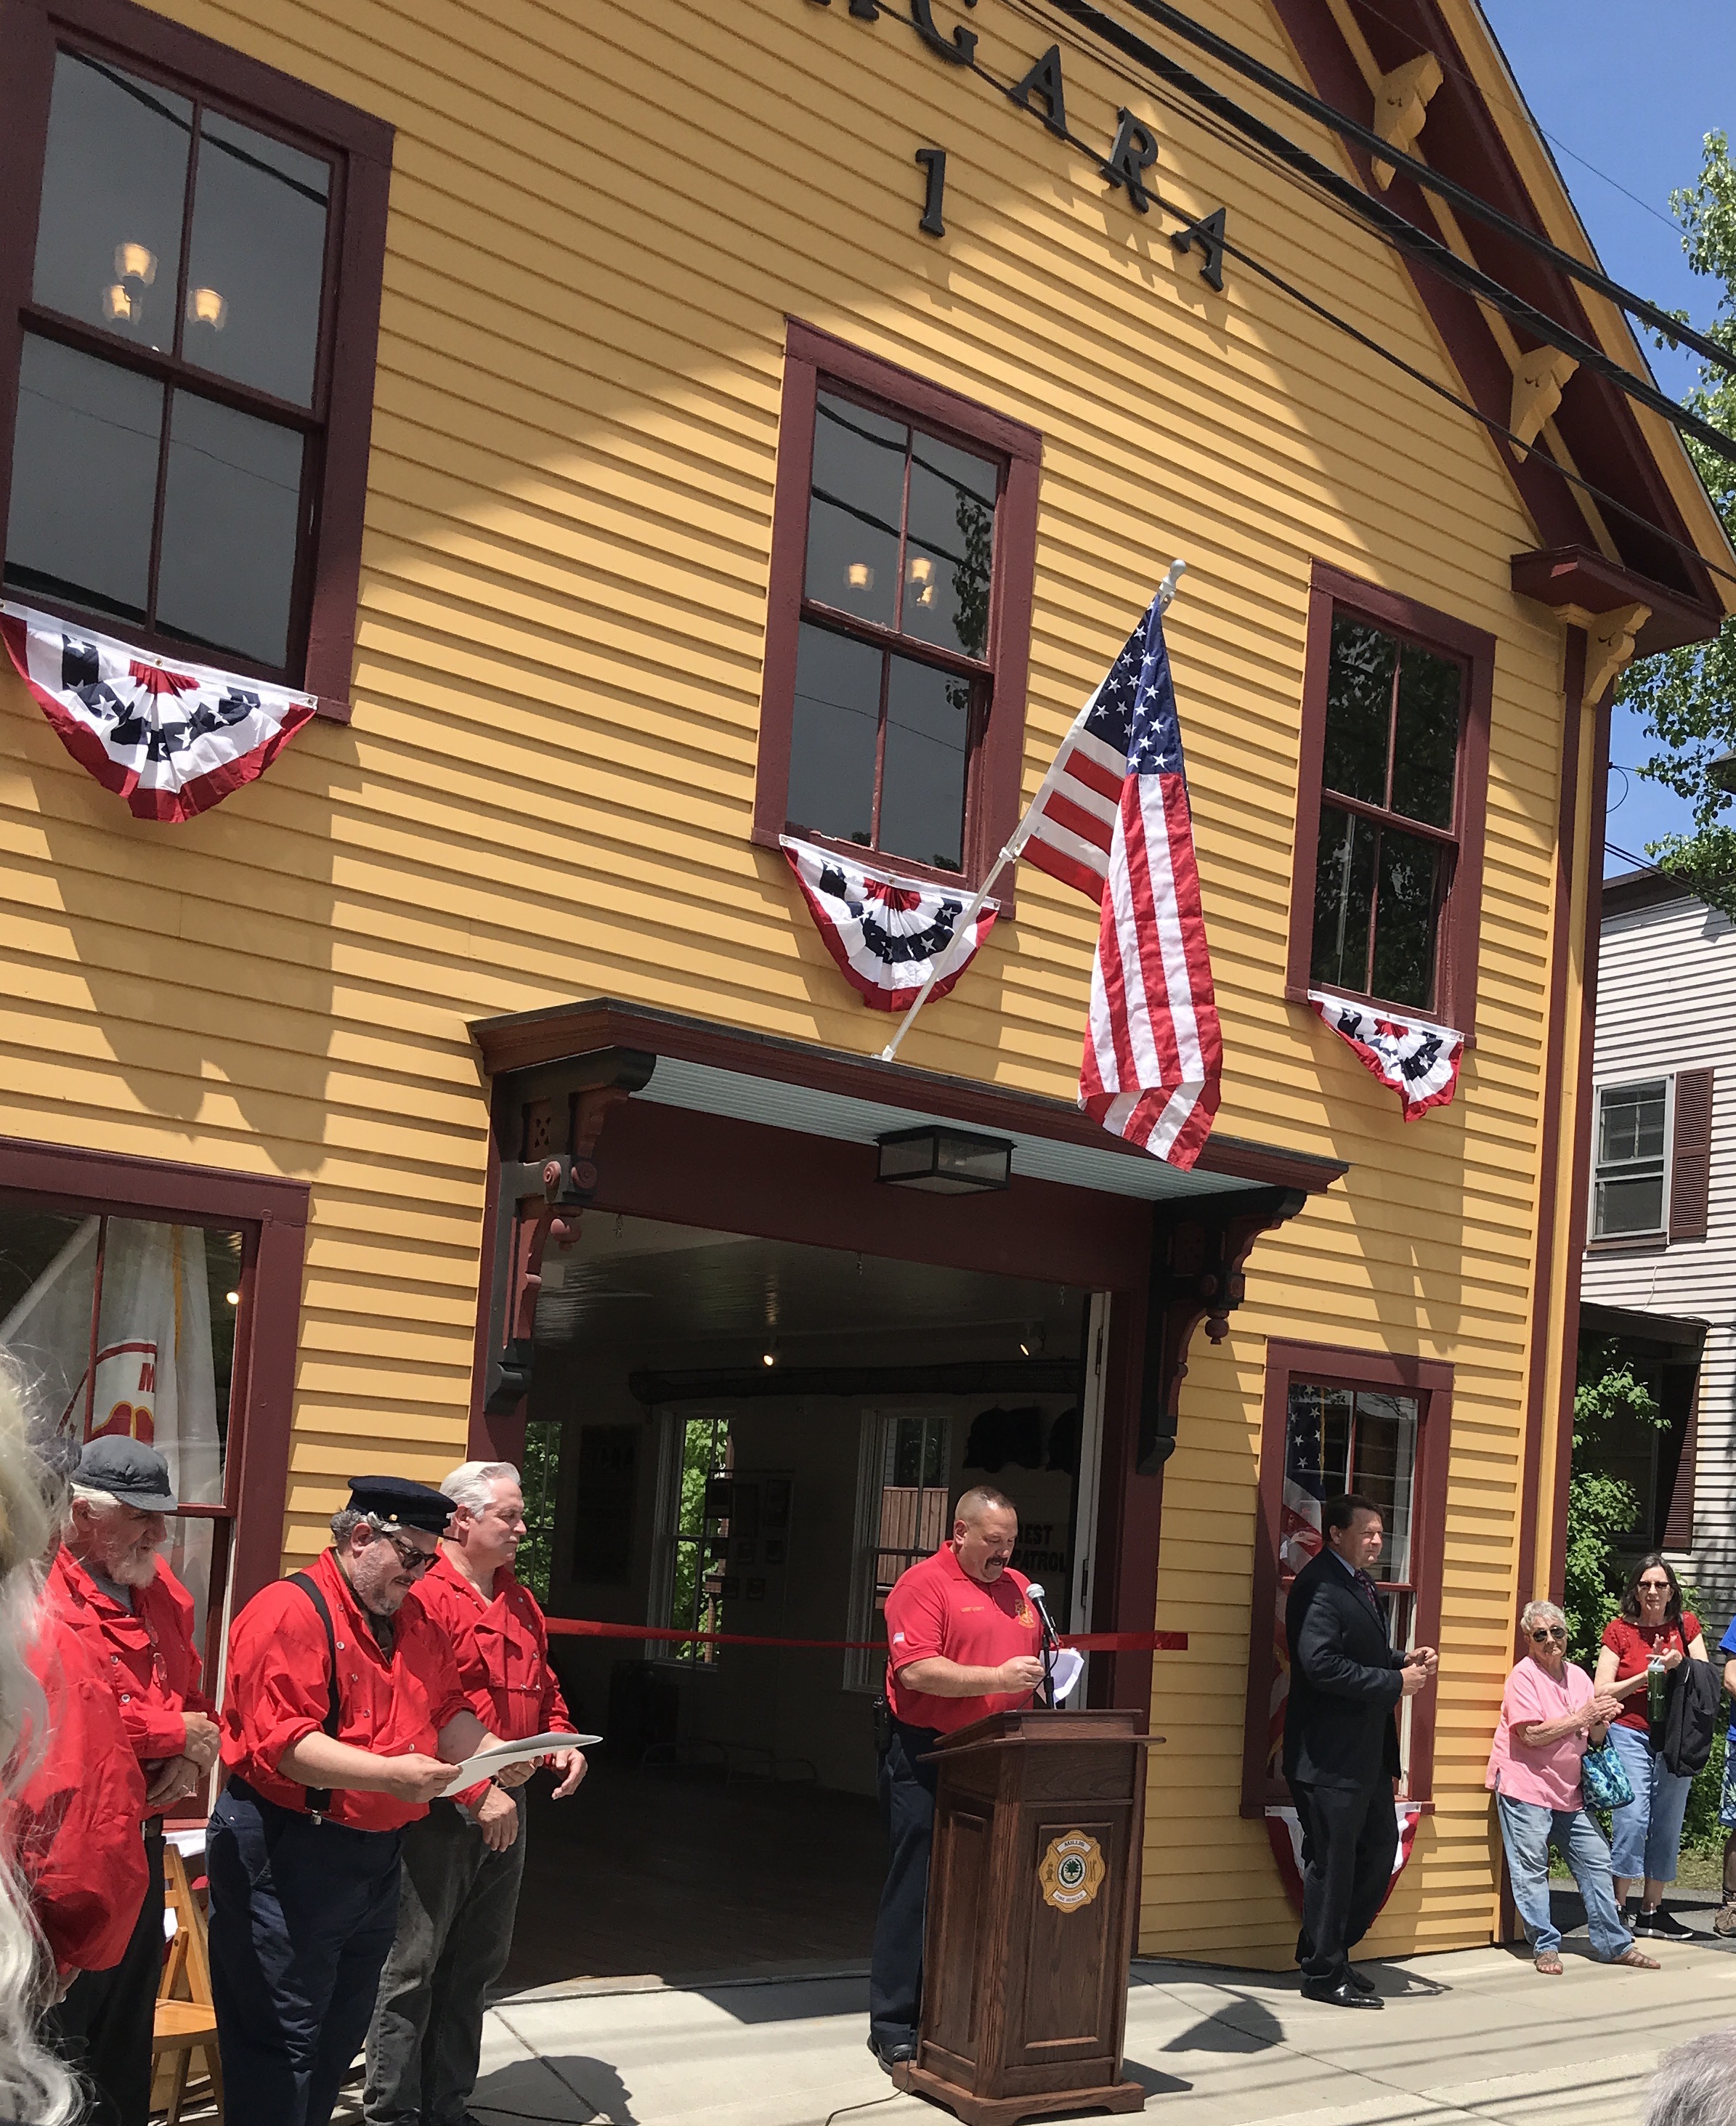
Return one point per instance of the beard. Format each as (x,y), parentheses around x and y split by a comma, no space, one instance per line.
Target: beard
(133,1568)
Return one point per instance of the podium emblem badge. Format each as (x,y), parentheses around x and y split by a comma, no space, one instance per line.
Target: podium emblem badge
(1072,1871)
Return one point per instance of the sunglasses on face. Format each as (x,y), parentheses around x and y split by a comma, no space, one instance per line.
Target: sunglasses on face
(1550,1631)
(408,1556)
(1654,1586)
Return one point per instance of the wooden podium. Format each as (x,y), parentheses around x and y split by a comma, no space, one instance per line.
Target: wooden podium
(1030,1916)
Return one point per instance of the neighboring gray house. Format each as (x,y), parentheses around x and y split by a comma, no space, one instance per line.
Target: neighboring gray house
(1660,1264)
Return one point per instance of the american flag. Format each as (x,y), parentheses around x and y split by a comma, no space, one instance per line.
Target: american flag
(1112,820)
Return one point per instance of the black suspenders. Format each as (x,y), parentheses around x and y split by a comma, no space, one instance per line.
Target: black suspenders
(319,1798)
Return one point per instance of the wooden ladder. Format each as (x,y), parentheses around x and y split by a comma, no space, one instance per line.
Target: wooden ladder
(187,2022)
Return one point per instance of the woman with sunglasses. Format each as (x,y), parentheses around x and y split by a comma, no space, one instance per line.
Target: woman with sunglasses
(1548,1711)
(1648,1637)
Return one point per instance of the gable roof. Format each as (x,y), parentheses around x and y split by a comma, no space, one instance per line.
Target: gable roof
(1479,131)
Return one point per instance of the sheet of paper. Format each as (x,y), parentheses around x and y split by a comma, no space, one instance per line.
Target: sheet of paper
(1069,1667)
(486,1763)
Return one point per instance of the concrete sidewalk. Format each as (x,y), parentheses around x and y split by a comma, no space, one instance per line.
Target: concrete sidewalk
(1470,2038)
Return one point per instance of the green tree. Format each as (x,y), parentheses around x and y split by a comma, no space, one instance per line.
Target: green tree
(1688,695)
(1600,1508)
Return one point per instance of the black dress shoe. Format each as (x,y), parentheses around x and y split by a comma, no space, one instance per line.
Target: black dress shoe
(899,2053)
(1342,1995)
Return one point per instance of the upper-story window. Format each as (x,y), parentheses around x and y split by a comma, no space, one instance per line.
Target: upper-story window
(903,551)
(1628,1191)
(891,672)
(1390,813)
(194,352)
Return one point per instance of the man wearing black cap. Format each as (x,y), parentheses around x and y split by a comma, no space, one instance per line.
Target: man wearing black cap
(342,1720)
(109,1588)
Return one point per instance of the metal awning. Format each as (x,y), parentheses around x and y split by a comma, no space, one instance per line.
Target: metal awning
(729,1071)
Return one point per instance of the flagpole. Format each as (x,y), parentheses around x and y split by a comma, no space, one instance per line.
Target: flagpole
(1010,853)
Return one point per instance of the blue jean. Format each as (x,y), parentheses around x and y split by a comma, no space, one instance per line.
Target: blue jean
(1648,1836)
(1527,1830)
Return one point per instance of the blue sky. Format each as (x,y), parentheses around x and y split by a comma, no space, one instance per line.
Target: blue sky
(1631,89)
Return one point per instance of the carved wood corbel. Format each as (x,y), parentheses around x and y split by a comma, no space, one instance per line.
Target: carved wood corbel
(1196,1276)
(1539,380)
(1401,105)
(1609,645)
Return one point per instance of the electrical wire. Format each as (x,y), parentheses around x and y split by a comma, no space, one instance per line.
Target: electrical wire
(1276,280)
(1461,196)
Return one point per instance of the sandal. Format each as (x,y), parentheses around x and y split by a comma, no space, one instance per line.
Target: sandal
(1549,1964)
(1637,1960)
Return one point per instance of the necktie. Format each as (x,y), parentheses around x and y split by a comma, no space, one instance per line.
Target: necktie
(1367,1585)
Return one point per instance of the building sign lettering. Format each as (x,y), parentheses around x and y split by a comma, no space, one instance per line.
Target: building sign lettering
(1042,92)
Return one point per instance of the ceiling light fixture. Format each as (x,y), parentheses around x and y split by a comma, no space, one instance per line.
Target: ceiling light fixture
(233,1298)
(119,306)
(860,576)
(135,262)
(945,1162)
(205,306)
(921,569)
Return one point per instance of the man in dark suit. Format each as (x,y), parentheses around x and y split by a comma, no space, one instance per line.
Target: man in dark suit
(1340,1746)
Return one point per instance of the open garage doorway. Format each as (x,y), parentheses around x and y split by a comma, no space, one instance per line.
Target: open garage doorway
(734,1434)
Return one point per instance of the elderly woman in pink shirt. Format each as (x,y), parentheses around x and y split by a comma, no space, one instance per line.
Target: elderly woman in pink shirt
(1548,1711)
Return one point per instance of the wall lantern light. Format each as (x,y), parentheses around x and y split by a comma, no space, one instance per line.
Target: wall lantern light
(946,1162)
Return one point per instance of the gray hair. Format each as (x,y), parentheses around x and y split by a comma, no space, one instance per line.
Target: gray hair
(101,1502)
(1695,2085)
(345,1522)
(1545,1612)
(468,1485)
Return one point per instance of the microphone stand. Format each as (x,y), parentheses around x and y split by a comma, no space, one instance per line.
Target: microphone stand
(1051,1643)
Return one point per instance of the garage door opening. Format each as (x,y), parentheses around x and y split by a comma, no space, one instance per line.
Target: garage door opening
(733,1435)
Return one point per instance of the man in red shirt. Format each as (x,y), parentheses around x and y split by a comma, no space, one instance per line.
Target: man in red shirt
(461,1879)
(343,1719)
(963,1642)
(108,1588)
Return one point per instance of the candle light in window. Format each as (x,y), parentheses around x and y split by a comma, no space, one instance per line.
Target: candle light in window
(860,576)
(135,262)
(119,306)
(205,306)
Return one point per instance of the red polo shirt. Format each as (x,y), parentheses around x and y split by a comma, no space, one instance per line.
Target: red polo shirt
(501,1648)
(147,1652)
(279,1690)
(75,1825)
(937,1608)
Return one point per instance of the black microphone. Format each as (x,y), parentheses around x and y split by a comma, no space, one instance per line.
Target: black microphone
(1051,1639)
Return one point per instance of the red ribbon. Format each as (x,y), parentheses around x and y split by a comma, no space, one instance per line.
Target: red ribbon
(587,1627)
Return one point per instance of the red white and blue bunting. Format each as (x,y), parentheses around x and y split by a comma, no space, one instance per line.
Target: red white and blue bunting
(886,932)
(1417,1061)
(172,739)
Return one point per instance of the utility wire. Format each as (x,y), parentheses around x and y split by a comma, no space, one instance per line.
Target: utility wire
(1461,196)
(1319,310)
(1395,226)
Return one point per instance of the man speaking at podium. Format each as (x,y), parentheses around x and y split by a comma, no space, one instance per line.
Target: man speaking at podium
(963,1641)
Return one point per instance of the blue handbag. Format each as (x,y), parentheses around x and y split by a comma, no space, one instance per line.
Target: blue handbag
(1603,1778)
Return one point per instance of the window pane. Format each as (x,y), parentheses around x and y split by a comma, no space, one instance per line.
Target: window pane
(1632,1122)
(1404,927)
(229,513)
(1359,706)
(928,720)
(1426,751)
(48,1278)
(1630,1204)
(541,1471)
(836,735)
(256,260)
(1344,894)
(1318,1440)
(108,240)
(84,481)
(949,557)
(1383,1469)
(856,510)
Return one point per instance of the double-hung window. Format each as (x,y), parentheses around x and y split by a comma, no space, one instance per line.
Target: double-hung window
(901,1518)
(1389,826)
(1629,1187)
(192,347)
(893,722)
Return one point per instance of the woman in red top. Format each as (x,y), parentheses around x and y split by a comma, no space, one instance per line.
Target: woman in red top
(1649,1636)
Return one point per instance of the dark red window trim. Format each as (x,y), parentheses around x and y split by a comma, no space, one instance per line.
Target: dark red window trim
(1332,591)
(996,777)
(272,1217)
(323,619)
(1432,1383)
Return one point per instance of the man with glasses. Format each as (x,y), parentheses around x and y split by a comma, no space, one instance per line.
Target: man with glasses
(343,1716)
(109,1588)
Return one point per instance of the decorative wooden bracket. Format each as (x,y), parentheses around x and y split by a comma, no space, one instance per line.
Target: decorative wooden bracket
(1197,1275)
(543,1195)
(1539,381)
(1401,105)
(1609,644)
